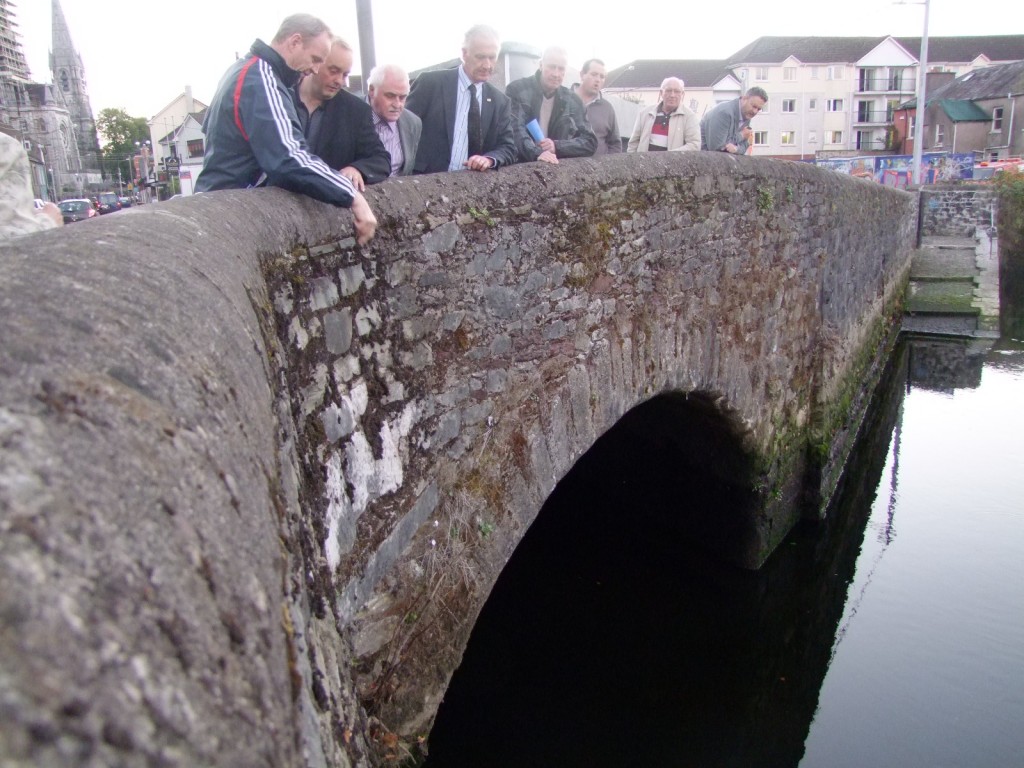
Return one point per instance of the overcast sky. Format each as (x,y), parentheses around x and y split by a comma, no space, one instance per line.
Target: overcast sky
(141,55)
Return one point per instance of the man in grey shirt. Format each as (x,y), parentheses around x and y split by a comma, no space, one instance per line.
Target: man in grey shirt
(726,128)
(600,114)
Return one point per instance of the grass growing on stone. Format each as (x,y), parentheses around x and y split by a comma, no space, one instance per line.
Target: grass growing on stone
(942,297)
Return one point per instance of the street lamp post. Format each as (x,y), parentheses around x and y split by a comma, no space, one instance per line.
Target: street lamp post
(921,110)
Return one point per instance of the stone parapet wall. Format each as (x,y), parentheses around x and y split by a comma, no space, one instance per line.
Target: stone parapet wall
(263,479)
(956,211)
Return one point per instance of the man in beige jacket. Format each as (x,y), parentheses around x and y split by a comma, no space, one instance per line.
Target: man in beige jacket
(667,126)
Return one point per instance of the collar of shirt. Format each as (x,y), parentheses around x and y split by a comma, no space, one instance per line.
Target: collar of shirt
(379,121)
(465,82)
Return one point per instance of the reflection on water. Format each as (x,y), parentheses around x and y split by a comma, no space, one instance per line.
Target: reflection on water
(891,635)
(929,670)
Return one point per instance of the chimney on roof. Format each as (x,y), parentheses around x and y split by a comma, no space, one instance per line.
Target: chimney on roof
(936,79)
(190,105)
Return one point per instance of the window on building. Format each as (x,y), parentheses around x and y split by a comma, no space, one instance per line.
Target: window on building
(834,137)
(788,138)
(812,105)
(940,134)
(761,73)
(812,137)
(911,125)
(789,105)
(834,73)
(833,105)
(814,73)
(789,73)
(195,148)
(760,138)
(865,140)
(694,104)
(997,120)
(65,84)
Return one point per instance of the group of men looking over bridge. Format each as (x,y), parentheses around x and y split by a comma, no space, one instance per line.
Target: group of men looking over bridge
(281,117)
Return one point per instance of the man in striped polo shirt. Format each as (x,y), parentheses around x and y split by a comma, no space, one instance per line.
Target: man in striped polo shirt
(668,126)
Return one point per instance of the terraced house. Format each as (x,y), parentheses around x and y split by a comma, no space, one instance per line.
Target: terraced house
(828,95)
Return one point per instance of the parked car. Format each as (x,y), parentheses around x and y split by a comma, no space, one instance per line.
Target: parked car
(109,202)
(77,209)
(126,202)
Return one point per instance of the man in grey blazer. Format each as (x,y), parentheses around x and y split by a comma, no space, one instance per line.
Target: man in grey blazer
(398,128)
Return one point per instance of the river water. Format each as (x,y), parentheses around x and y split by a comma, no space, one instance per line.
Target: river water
(892,635)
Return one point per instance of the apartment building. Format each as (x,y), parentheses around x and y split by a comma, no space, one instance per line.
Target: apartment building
(827,95)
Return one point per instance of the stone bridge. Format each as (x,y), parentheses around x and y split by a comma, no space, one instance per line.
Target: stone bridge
(257,482)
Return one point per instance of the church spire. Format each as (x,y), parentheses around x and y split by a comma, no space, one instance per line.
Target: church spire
(69,79)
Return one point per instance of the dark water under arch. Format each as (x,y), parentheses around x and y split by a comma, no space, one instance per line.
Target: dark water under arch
(610,641)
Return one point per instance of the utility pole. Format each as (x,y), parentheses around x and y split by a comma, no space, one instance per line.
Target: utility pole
(367,54)
(921,111)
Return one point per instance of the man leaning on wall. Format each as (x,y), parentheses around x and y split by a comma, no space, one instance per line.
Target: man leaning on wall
(726,128)
(667,126)
(555,113)
(252,131)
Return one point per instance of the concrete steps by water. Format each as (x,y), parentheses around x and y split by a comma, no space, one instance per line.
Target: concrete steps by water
(954,287)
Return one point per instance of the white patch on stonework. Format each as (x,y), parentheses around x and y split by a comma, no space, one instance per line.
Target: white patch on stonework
(283,302)
(337,507)
(389,468)
(367,318)
(407,419)
(361,469)
(313,395)
(298,333)
(345,369)
(360,398)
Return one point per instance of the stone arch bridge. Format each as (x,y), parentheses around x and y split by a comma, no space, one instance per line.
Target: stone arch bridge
(257,481)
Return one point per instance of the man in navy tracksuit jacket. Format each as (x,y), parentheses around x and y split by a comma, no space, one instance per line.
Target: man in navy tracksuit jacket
(253,135)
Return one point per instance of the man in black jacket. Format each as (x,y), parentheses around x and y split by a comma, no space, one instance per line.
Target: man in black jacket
(560,115)
(339,126)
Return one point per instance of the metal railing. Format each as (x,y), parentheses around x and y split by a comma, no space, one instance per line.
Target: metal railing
(884,84)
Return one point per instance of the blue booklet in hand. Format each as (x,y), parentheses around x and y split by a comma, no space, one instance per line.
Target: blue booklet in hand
(534,128)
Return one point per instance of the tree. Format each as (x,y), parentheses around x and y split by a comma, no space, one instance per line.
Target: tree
(120,131)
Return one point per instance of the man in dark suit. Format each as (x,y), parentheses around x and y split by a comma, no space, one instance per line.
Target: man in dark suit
(339,126)
(387,90)
(458,133)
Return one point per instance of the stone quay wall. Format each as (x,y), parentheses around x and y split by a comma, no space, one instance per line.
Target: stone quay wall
(258,481)
(957,210)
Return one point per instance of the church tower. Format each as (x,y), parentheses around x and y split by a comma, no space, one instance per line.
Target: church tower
(69,79)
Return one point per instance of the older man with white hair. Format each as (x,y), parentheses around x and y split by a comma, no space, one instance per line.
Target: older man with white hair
(668,126)
(398,128)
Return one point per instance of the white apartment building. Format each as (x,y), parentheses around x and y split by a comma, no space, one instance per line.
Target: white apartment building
(831,95)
